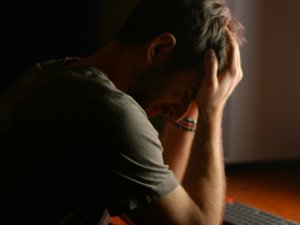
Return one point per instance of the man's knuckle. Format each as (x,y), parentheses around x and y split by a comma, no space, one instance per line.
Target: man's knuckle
(241,75)
(234,72)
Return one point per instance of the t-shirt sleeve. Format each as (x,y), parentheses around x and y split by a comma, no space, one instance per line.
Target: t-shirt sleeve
(138,173)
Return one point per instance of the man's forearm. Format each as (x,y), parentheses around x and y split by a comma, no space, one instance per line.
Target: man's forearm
(204,179)
(177,143)
(177,147)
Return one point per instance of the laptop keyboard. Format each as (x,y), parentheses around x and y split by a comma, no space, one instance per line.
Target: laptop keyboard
(237,213)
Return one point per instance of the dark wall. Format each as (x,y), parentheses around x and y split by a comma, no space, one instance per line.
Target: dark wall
(34,30)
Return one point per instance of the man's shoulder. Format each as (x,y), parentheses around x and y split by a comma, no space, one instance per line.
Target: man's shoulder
(48,87)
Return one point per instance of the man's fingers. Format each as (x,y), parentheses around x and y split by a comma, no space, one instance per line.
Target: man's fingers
(233,52)
(211,67)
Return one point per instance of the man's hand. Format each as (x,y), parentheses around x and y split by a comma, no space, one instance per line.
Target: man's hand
(217,87)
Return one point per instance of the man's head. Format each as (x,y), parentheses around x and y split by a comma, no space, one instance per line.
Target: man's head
(188,27)
(197,26)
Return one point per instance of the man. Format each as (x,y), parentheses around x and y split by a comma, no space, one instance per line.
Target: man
(76,141)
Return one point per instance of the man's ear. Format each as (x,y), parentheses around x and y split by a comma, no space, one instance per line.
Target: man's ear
(160,48)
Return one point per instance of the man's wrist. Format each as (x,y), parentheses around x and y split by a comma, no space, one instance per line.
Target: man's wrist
(186,124)
(214,116)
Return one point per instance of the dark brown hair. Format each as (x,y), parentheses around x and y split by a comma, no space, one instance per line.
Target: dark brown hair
(197,25)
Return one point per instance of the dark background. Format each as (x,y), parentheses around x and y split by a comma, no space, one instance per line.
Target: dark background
(33,31)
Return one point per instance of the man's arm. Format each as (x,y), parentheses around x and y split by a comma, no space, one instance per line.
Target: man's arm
(206,159)
(177,143)
(200,199)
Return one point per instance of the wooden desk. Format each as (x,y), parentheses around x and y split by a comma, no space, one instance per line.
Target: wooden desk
(273,186)
(117,221)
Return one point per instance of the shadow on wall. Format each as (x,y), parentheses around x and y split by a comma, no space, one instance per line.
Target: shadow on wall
(33,30)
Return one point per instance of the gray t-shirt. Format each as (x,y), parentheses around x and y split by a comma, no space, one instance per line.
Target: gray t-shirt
(72,144)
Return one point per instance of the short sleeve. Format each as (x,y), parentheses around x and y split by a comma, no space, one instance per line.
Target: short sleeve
(138,173)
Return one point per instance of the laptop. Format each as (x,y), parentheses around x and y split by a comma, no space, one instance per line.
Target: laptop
(237,213)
